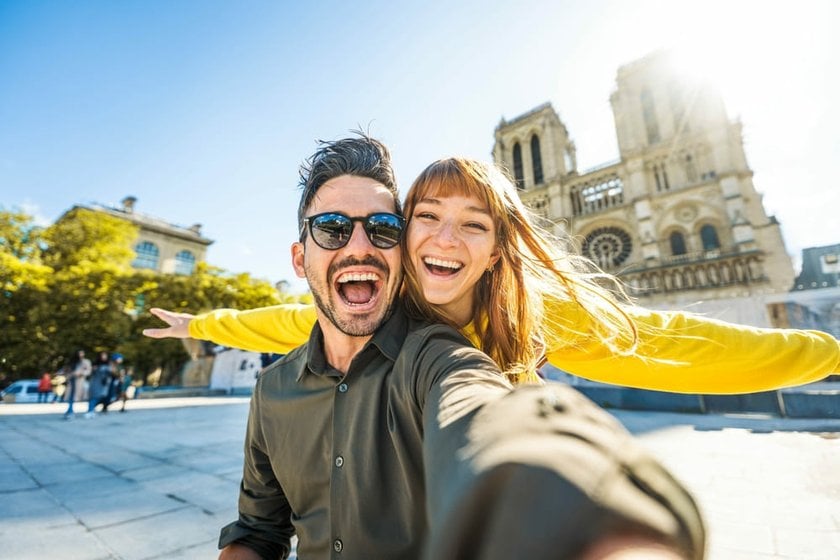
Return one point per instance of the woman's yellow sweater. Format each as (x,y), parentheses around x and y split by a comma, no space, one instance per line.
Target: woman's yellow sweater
(677,352)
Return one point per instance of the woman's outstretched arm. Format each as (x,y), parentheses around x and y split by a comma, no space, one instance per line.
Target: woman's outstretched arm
(686,353)
(277,329)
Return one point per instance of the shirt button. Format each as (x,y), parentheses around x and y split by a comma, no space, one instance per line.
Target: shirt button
(339,461)
(342,388)
(338,546)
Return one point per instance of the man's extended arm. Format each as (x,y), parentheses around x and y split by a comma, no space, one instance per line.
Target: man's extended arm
(542,472)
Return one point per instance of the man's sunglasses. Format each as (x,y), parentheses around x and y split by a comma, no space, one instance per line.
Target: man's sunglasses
(332,230)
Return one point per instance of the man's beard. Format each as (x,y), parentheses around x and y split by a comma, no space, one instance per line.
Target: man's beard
(356,325)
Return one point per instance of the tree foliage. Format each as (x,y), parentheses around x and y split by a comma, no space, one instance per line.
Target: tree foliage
(70,286)
(85,238)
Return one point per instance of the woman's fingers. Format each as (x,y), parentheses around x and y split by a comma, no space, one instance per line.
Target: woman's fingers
(179,324)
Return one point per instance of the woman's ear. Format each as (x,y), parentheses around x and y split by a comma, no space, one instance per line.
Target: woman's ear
(297,259)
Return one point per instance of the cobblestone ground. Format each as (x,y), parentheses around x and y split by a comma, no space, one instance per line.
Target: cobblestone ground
(160,480)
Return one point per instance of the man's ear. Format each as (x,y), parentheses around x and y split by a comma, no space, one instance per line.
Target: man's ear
(297,259)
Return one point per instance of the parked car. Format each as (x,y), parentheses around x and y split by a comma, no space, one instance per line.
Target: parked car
(21,391)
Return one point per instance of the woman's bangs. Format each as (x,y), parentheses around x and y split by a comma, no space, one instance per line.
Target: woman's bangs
(453,180)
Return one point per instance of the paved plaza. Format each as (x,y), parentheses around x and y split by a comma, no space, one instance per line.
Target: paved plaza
(160,480)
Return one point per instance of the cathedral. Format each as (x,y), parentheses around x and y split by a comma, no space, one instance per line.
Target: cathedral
(677,217)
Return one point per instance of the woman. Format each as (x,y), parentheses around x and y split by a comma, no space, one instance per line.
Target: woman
(475,259)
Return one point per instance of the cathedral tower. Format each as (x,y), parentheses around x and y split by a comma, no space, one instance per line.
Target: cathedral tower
(677,217)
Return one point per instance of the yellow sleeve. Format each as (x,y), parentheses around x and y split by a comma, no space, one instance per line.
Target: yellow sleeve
(685,353)
(277,329)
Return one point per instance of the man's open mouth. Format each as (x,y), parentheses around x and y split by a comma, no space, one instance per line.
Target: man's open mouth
(358,288)
(442,267)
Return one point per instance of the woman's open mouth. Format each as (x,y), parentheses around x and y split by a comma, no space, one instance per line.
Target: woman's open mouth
(442,267)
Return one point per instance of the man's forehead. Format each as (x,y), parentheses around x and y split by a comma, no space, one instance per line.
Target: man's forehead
(361,194)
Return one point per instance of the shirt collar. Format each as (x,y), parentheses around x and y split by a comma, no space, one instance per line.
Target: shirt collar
(388,339)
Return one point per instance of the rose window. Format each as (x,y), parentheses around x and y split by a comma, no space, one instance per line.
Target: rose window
(608,247)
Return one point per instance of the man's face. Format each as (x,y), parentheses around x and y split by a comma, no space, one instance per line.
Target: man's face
(353,286)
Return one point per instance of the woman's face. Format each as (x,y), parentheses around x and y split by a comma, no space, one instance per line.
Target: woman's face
(451,241)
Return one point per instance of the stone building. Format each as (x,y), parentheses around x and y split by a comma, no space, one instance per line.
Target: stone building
(814,301)
(160,245)
(677,216)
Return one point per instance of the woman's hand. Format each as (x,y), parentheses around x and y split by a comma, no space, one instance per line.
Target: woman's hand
(179,324)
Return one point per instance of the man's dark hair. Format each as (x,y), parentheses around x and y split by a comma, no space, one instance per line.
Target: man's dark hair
(361,156)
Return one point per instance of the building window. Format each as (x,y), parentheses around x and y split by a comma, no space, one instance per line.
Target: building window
(608,247)
(536,159)
(649,115)
(678,107)
(660,175)
(184,262)
(709,237)
(596,195)
(577,210)
(677,244)
(690,169)
(518,175)
(569,158)
(147,255)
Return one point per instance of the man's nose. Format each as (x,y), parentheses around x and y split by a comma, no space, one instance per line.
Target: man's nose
(359,241)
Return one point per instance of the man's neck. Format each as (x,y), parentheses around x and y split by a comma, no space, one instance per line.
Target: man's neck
(340,348)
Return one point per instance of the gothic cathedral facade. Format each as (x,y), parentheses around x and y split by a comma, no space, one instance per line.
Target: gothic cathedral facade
(677,218)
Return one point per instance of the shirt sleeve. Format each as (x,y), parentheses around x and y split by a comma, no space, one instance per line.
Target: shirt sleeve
(686,353)
(278,329)
(264,522)
(541,472)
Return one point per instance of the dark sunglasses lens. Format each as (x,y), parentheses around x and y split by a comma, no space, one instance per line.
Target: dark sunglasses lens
(384,230)
(331,231)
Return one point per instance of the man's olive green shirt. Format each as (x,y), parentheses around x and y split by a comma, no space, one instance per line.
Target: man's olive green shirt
(381,463)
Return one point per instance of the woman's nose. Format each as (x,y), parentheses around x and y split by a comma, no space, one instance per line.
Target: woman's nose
(446,233)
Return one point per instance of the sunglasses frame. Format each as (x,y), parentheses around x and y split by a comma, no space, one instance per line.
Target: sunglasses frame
(366,226)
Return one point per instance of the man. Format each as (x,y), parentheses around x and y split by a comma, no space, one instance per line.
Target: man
(384,437)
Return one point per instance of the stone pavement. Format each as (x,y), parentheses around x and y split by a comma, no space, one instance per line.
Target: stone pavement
(160,480)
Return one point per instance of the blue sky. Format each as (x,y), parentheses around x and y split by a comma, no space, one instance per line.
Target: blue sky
(203,110)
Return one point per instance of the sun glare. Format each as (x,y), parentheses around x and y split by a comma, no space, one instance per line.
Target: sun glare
(739,48)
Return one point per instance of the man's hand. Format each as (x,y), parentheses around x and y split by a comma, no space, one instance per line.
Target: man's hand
(238,552)
(179,324)
(631,547)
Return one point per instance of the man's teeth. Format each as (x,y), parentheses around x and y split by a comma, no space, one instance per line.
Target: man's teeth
(432,261)
(357,277)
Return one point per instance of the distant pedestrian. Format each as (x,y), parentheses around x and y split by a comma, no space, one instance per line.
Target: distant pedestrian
(60,383)
(79,370)
(45,387)
(117,369)
(268,358)
(100,384)
(125,386)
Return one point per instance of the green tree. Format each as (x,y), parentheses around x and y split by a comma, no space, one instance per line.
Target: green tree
(70,286)
(24,286)
(206,288)
(19,236)
(82,237)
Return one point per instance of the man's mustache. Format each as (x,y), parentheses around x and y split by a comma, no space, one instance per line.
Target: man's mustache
(369,260)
